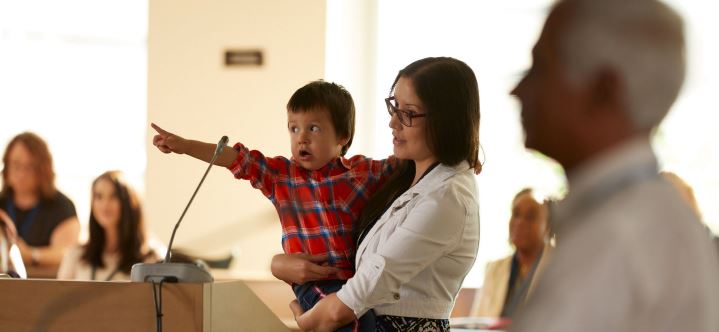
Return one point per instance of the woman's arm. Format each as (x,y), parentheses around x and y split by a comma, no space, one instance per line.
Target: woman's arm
(300,268)
(328,314)
(64,236)
(69,264)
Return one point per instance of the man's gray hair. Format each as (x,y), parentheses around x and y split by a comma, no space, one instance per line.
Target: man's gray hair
(641,40)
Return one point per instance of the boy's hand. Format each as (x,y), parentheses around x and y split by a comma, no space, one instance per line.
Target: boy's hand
(167,142)
(301,268)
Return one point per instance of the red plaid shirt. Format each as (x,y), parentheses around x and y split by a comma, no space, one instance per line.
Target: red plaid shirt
(317,209)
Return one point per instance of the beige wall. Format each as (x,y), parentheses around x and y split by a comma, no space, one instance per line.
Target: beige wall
(191,93)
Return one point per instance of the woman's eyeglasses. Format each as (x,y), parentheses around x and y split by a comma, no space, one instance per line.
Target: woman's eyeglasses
(405,117)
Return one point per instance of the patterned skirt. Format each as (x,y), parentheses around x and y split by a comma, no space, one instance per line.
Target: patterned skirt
(386,323)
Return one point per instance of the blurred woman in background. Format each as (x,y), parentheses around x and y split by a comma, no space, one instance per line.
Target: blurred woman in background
(117,235)
(45,219)
(508,281)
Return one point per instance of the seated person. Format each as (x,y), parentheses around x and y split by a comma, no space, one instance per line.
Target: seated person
(117,236)
(45,219)
(508,281)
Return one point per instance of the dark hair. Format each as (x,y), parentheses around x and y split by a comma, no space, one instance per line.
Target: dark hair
(448,89)
(320,95)
(41,158)
(130,228)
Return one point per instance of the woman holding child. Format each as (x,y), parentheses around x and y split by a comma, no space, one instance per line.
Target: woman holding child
(418,235)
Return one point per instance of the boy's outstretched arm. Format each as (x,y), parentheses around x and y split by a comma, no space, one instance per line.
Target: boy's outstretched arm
(167,142)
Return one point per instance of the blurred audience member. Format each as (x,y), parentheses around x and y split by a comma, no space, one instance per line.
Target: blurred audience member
(509,281)
(117,236)
(630,255)
(45,219)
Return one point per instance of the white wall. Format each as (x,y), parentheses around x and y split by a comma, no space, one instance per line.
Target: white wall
(191,93)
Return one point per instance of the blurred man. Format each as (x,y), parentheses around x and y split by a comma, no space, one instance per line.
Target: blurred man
(631,255)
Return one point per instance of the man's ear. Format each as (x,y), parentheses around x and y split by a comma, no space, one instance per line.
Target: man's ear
(606,90)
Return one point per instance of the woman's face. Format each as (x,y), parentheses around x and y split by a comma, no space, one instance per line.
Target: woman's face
(22,175)
(528,225)
(409,142)
(105,204)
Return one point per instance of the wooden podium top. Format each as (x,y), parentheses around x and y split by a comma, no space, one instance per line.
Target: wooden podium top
(54,305)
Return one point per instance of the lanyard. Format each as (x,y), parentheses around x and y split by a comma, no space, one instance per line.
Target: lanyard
(22,227)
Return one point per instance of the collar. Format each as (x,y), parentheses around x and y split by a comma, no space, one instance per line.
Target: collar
(342,161)
(433,179)
(606,174)
(332,164)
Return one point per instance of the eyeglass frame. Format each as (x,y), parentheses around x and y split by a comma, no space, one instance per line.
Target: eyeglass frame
(392,110)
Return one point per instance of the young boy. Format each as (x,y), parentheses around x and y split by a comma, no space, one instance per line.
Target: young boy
(318,193)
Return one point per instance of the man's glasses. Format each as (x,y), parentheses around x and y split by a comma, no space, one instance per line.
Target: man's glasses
(405,117)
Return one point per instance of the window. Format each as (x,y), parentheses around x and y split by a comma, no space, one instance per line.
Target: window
(74,72)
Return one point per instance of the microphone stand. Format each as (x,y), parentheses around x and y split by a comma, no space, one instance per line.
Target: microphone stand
(177,272)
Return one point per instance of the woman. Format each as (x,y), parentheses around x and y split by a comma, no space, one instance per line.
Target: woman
(117,235)
(508,281)
(45,219)
(418,235)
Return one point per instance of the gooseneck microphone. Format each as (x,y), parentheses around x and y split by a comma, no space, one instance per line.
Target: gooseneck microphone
(220,145)
(177,272)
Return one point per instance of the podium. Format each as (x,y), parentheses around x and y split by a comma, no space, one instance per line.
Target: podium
(52,305)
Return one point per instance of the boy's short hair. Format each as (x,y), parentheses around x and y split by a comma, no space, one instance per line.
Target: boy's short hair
(335,99)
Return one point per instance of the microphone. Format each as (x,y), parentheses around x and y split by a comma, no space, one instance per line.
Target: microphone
(220,145)
(177,272)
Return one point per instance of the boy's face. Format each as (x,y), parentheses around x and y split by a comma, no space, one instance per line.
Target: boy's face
(313,138)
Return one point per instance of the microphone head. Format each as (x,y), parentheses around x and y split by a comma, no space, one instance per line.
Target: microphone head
(221,145)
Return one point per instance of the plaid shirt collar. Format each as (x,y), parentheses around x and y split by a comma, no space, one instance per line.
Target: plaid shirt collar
(337,162)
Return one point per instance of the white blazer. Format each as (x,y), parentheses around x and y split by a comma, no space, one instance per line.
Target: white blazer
(413,261)
(489,301)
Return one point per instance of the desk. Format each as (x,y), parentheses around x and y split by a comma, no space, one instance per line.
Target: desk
(59,306)
(274,293)
(41,272)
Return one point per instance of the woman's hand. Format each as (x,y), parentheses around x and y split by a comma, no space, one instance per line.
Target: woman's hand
(328,314)
(168,142)
(301,268)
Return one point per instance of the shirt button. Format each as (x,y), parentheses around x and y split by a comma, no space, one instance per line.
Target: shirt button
(396,296)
